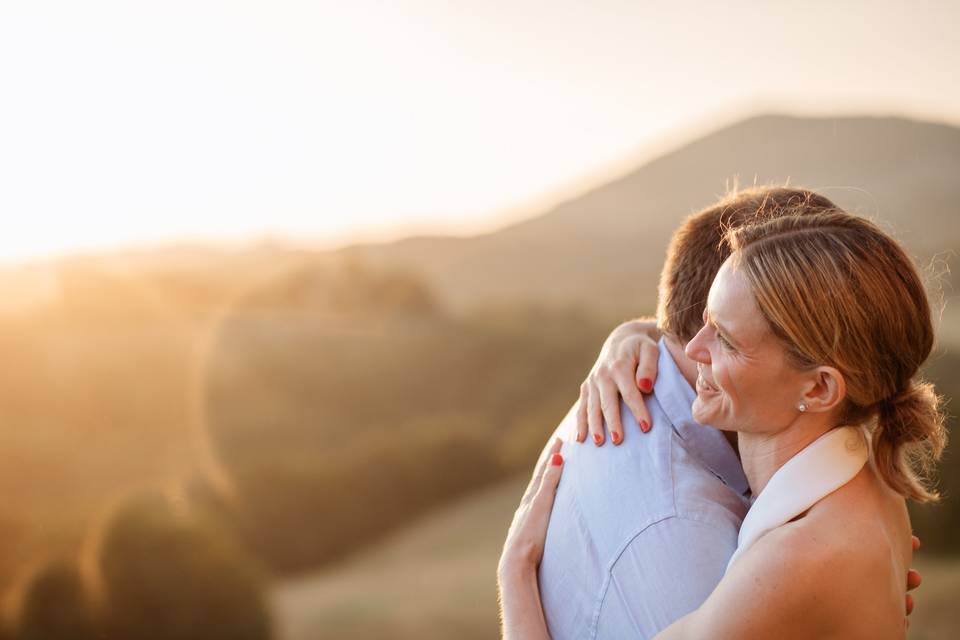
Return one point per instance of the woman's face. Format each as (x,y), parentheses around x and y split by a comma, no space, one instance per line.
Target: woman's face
(745,382)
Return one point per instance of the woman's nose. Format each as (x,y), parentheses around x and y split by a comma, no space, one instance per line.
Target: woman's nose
(696,349)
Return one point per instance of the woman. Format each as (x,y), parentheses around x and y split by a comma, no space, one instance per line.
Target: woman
(814,331)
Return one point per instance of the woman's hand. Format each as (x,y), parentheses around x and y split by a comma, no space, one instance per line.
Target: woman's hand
(913,579)
(627,368)
(523,549)
(521,610)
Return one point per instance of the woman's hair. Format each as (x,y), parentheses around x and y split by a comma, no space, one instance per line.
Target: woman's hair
(697,249)
(838,291)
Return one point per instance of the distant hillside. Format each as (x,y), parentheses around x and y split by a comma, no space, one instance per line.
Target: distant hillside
(604,249)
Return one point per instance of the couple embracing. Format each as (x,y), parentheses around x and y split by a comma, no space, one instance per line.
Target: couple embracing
(795,331)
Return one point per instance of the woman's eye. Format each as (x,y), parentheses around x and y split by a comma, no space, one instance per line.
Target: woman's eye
(723,341)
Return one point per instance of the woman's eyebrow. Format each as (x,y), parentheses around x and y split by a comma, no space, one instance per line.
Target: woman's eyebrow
(721,328)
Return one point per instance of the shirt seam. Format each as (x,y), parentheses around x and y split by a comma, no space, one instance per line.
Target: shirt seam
(672,513)
(608,578)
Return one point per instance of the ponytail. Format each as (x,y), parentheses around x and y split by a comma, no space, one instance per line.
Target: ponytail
(908,439)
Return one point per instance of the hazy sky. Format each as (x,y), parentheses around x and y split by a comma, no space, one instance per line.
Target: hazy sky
(152,121)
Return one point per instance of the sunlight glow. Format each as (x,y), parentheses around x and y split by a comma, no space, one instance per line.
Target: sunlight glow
(136,123)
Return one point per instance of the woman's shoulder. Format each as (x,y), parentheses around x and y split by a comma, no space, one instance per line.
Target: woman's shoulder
(863,511)
(855,545)
(828,573)
(862,519)
(794,582)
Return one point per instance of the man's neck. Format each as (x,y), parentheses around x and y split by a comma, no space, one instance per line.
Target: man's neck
(688,369)
(762,454)
(687,366)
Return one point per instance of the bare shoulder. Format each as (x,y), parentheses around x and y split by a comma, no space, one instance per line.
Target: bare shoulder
(832,572)
(865,521)
(775,589)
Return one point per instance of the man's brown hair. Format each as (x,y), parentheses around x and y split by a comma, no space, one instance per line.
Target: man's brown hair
(697,250)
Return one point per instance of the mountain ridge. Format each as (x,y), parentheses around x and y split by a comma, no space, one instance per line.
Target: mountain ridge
(603,249)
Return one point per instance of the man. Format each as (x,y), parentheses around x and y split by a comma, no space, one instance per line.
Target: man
(641,532)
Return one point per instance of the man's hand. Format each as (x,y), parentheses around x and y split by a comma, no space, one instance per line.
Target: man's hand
(627,368)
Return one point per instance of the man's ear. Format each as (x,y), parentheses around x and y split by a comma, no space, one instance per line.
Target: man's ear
(827,389)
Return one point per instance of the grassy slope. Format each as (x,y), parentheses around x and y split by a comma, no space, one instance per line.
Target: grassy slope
(435,579)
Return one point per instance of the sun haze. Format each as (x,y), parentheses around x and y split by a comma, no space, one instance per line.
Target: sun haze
(137,123)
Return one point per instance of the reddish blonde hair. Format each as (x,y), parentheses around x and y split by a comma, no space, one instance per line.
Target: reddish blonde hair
(838,291)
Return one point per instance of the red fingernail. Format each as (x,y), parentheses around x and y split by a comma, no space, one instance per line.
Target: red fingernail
(616,437)
(581,437)
(644,426)
(597,439)
(556,460)
(646,385)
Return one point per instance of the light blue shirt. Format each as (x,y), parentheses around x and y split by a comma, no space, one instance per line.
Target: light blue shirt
(640,534)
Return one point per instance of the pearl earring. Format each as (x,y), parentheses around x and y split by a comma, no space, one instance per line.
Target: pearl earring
(802,407)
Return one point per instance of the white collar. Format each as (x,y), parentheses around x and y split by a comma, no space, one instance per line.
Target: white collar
(819,469)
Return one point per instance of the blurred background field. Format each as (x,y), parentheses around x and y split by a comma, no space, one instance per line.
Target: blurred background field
(255,386)
(433,579)
(349,420)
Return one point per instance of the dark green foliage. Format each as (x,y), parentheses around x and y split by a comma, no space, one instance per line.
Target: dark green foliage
(56,606)
(168,575)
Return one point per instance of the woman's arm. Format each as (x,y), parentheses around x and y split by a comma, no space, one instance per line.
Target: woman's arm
(520,609)
(521,613)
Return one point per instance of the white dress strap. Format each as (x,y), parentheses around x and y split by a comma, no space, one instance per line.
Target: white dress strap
(819,469)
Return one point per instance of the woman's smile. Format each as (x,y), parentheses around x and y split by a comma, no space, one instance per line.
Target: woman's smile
(705,388)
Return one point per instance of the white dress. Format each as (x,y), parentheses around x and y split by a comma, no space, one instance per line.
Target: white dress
(822,467)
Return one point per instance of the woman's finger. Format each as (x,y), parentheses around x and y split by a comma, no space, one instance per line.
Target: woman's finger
(648,357)
(610,406)
(582,413)
(633,398)
(543,502)
(646,376)
(551,448)
(916,543)
(913,579)
(595,416)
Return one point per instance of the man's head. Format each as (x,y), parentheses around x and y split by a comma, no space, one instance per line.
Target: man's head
(697,250)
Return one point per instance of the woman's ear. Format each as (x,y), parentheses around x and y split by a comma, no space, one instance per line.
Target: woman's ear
(826,391)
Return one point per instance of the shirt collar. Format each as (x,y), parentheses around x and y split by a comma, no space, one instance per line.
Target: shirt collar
(707,444)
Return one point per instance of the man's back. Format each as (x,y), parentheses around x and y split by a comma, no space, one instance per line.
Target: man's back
(641,533)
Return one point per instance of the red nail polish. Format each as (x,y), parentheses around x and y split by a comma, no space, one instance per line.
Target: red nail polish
(616,437)
(646,385)
(644,426)
(597,439)
(556,460)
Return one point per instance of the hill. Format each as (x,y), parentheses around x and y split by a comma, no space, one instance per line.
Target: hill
(604,249)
